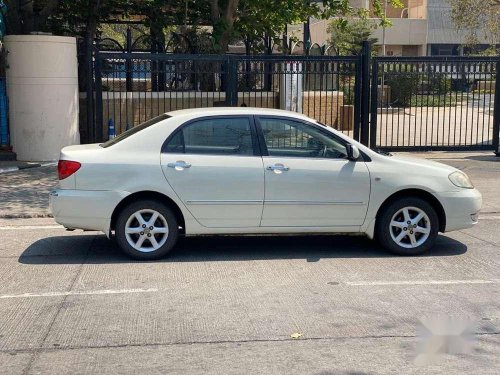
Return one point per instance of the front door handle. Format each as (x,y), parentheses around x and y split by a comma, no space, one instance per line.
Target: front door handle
(179,165)
(278,168)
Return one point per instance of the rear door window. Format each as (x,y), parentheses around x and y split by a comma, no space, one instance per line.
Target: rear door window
(214,136)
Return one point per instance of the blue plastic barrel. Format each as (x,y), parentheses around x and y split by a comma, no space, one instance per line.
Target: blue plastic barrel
(4,111)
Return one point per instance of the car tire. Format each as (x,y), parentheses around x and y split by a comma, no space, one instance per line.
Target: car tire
(146,230)
(407,226)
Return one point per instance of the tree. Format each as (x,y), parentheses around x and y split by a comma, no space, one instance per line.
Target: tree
(77,17)
(24,17)
(82,18)
(347,36)
(478,18)
(252,19)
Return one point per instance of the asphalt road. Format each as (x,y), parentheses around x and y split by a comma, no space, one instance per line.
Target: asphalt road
(70,302)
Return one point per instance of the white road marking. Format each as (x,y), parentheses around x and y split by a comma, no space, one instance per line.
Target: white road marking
(78,293)
(152,290)
(421,282)
(31,227)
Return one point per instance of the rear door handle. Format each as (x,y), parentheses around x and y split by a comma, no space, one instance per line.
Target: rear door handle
(179,165)
(278,168)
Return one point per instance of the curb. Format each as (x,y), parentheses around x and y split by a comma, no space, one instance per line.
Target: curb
(27,216)
(26,166)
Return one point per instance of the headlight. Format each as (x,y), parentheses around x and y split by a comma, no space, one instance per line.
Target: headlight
(460,179)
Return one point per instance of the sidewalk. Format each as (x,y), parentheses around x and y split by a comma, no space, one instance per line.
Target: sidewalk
(24,193)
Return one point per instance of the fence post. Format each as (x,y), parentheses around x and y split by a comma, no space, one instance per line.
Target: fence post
(365,92)
(89,101)
(496,112)
(128,61)
(99,137)
(357,98)
(374,104)
(232,81)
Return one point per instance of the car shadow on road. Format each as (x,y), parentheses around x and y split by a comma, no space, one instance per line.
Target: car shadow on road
(97,249)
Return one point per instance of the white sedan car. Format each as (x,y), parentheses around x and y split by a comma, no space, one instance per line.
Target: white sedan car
(254,171)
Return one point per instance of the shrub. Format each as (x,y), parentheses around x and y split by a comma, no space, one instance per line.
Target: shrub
(439,84)
(348,91)
(248,81)
(403,86)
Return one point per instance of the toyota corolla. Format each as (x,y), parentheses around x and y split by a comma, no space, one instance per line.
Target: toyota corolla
(254,171)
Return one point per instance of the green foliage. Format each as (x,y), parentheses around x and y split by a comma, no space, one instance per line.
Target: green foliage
(347,36)
(478,18)
(434,100)
(439,84)
(483,92)
(248,81)
(490,51)
(404,84)
(73,17)
(230,19)
(24,17)
(348,89)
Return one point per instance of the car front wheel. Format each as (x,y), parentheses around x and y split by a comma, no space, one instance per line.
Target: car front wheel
(146,230)
(408,226)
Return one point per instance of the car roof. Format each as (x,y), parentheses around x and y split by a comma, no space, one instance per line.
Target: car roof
(225,111)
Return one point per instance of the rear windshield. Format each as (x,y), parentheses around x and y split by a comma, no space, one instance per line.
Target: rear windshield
(134,130)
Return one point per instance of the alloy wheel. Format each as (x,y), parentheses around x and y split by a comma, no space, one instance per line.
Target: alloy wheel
(410,227)
(146,230)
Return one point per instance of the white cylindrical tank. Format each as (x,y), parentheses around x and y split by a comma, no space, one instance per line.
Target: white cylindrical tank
(42,86)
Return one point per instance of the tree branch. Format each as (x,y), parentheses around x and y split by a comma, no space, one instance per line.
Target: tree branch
(48,9)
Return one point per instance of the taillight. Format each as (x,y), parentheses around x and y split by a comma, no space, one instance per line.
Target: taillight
(66,168)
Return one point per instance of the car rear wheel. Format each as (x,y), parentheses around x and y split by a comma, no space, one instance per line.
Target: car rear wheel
(408,226)
(146,229)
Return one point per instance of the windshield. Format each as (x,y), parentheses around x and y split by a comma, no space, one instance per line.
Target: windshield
(134,130)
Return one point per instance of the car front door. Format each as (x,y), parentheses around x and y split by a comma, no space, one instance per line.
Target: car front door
(309,182)
(214,166)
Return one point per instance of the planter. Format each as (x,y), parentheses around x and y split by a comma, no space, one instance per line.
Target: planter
(384,95)
(486,86)
(42,86)
(346,118)
(323,106)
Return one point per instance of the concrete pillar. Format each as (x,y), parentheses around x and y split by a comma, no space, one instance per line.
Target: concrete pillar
(42,86)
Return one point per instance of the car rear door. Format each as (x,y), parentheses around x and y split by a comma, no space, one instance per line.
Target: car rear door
(309,182)
(214,166)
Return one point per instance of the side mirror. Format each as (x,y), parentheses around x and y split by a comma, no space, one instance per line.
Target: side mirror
(352,152)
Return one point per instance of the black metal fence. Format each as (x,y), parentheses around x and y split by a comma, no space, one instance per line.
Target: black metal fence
(434,103)
(393,103)
(133,87)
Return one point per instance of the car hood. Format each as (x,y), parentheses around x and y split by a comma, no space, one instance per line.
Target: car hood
(412,162)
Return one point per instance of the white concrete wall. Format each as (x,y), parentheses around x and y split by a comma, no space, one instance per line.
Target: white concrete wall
(42,86)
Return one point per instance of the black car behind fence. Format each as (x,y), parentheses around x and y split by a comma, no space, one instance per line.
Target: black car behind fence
(392,103)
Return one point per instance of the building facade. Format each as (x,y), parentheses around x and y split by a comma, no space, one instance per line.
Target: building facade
(421,27)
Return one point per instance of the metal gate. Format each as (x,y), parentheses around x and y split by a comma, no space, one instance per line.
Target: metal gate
(435,103)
